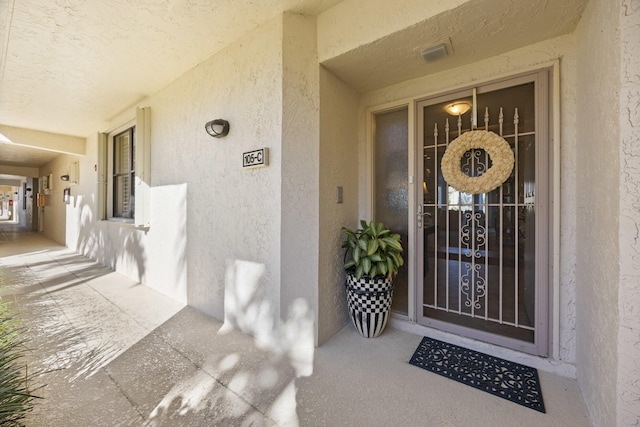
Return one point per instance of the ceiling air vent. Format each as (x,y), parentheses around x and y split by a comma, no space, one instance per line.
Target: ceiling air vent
(440,50)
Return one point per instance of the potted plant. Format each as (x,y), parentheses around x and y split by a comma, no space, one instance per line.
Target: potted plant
(373,255)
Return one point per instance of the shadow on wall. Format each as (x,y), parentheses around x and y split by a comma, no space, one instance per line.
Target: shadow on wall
(157,256)
(253,313)
(109,244)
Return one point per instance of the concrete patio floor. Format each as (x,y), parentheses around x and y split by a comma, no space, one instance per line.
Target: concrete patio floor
(112,352)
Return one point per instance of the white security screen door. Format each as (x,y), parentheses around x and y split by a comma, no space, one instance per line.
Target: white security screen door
(482,261)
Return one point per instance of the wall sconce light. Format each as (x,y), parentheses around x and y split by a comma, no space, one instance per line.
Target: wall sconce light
(217,128)
(65,177)
(457,108)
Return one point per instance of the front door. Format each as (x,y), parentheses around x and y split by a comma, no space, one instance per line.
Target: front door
(482,259)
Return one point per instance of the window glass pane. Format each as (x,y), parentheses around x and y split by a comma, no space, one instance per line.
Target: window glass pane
(132,165)
(121,150)
(509,99)
(121,196)
(391,187)
(123,174)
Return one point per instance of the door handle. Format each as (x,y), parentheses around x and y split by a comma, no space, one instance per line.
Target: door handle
(420,215)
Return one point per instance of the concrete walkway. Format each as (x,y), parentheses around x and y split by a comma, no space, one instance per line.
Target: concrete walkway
(115,353)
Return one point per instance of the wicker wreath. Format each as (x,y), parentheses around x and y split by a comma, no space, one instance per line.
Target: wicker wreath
(497,148)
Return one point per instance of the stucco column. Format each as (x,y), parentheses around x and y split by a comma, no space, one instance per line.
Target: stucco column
(598,202)
(628,405)
(300,164)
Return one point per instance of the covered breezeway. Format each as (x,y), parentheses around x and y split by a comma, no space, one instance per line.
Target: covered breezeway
(113,352)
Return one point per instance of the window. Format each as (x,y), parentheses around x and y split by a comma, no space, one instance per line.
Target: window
(124,174)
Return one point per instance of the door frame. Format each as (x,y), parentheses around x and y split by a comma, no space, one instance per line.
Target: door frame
(552,252)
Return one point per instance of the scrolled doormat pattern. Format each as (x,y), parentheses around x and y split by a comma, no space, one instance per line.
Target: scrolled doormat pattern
(502,378)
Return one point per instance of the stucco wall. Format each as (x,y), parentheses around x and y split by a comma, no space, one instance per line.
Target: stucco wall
(230,213)
(628,405)
(54,213)
(213,223)
(536,55)
(299,217)
(338,167)
(80,215)
(597,216)
(155,257)
(205,208)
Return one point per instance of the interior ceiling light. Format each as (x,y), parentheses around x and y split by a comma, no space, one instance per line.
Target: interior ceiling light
(457,108)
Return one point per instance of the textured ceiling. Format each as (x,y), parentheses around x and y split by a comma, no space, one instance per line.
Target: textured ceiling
(477,30)
(70,65)
(16,155)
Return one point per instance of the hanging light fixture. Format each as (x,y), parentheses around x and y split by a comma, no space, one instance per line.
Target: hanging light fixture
(458,108)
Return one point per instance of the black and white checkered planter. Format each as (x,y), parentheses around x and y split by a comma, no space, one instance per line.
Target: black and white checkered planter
(369,303)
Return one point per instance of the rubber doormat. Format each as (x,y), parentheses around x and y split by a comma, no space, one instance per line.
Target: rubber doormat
(518,383)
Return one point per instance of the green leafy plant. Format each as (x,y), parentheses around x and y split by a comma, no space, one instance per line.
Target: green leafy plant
(16,400)
(372,250)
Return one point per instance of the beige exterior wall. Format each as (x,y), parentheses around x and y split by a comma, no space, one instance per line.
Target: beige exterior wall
(54,213)
(338,168)
(156,258)
(206,209)
(598,172)
(230,213)
(299,214)
(628,381)
(207,212)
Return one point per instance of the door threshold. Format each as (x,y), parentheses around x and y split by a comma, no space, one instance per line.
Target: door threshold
(557,367)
